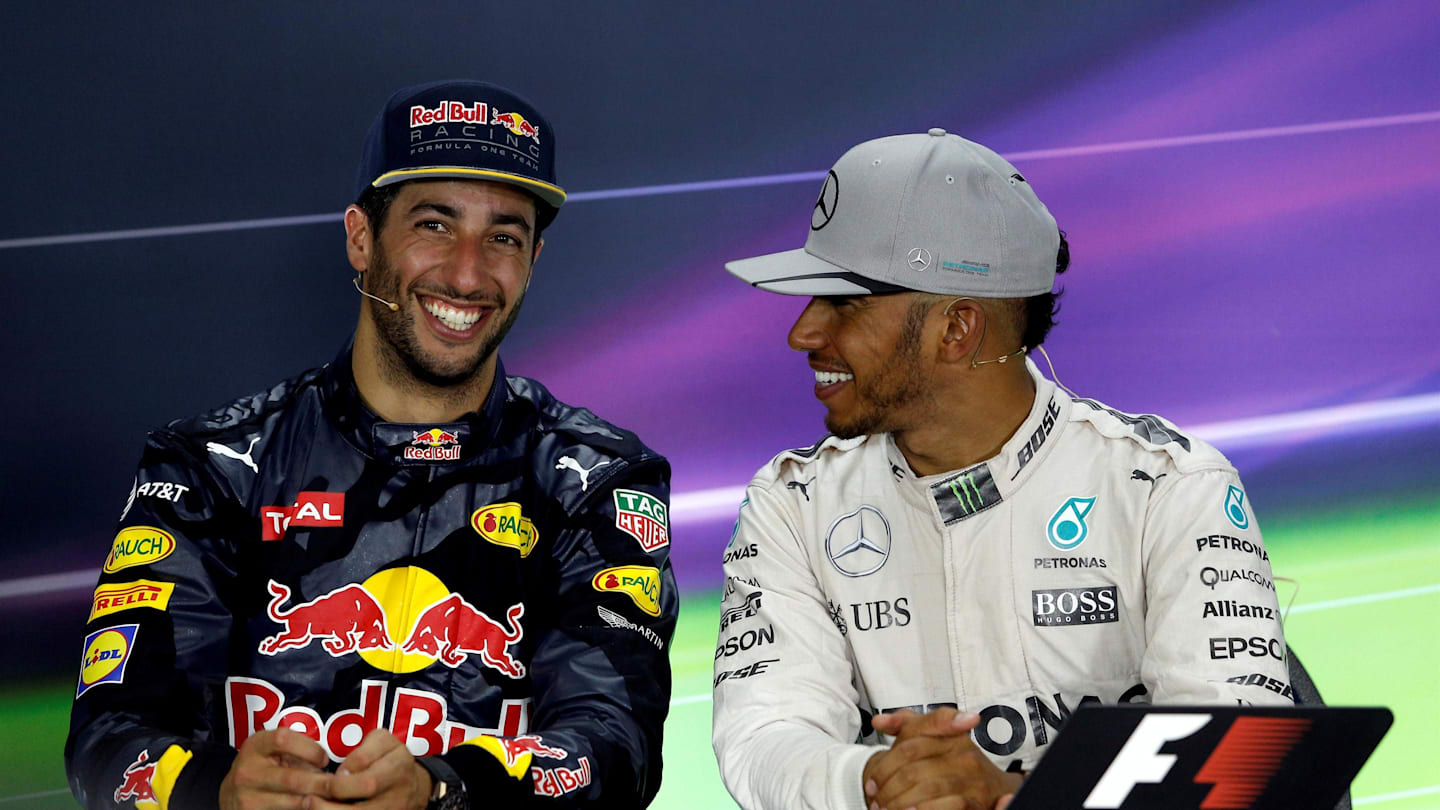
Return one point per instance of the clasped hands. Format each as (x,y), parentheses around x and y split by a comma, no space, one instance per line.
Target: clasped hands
(934,765)
(285,770)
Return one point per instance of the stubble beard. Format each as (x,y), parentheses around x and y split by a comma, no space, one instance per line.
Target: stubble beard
(399,345)
(894,389)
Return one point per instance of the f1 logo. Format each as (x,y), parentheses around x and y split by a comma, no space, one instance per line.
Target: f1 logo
(1240,767)
(1140,759)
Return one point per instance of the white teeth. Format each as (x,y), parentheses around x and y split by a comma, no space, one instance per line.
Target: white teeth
(457,319)
(830,377)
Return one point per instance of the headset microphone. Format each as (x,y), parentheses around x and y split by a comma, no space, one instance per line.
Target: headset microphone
(394,307)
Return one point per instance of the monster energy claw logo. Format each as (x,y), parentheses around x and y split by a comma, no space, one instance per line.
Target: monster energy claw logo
(965,494)
(1067,527)
(1235,508)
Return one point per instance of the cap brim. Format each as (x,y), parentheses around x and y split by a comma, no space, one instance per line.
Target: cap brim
(552,195)
(799,272)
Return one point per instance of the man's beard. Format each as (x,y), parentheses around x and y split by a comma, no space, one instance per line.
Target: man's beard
(899,384)
(400,340)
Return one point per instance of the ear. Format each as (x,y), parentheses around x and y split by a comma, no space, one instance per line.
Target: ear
(540,245)
(962,330)
(359,242)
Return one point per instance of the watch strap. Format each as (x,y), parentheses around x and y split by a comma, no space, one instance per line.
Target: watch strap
(447,791)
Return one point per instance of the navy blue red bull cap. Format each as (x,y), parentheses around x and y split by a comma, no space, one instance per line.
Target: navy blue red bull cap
(461,129)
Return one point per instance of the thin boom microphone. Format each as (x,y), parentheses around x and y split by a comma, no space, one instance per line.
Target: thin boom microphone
(394,307)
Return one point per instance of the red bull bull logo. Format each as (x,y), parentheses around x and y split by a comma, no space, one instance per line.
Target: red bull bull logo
(346,620)
(452,629)
(516,123)
(433,445)
(311,509)
(355,618)
(135,784)
(514,753)
(418,718)
(447,112)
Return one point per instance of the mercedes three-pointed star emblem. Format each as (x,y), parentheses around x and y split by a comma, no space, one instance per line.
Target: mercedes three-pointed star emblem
(858,542)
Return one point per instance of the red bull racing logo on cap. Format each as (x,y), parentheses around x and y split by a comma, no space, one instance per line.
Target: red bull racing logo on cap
(447,112)
(434,445)
(516,123)
(356,618)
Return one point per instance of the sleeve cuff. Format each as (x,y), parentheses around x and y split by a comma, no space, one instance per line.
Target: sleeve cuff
(198,785)
(846,770)
(483,775)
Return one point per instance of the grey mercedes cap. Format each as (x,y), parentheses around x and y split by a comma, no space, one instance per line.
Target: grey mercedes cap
(934,213)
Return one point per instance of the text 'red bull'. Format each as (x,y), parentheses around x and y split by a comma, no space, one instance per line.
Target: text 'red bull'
(556,782)
(449,111)
(419,719)
(433,445)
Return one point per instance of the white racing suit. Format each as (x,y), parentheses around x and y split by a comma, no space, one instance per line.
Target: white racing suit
(1098,557)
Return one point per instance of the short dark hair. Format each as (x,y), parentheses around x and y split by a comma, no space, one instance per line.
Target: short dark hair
(375,202)
(1037,316)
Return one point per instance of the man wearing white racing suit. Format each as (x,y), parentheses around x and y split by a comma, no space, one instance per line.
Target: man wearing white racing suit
(914,605)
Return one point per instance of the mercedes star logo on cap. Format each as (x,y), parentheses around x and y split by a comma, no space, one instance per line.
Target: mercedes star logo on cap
(825,204)
(919,259)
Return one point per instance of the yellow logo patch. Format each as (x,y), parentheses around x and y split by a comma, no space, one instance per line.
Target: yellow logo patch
(517,765)
(140,593)
(503,525)
(106,654)
(640,582)
(139,545)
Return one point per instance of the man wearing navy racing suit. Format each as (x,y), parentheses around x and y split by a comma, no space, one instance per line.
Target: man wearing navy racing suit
(405,578)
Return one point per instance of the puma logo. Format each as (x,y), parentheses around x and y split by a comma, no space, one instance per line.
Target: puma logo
(1141,475)
(221,450)
(801,486)
(568,463)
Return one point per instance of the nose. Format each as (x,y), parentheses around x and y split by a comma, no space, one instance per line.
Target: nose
(469,269)
(808,333)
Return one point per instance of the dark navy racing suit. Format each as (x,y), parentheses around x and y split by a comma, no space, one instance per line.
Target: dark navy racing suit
(496,591)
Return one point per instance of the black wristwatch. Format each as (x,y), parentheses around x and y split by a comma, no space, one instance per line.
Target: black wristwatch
(447,792)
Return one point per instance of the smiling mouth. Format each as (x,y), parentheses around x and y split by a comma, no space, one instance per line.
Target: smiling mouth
(455,318)
(831,377)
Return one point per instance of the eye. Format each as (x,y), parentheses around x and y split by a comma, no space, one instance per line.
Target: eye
(508,240)
(433,225)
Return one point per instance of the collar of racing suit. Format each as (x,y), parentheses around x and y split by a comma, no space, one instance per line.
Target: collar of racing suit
(408,443)
(959,494)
